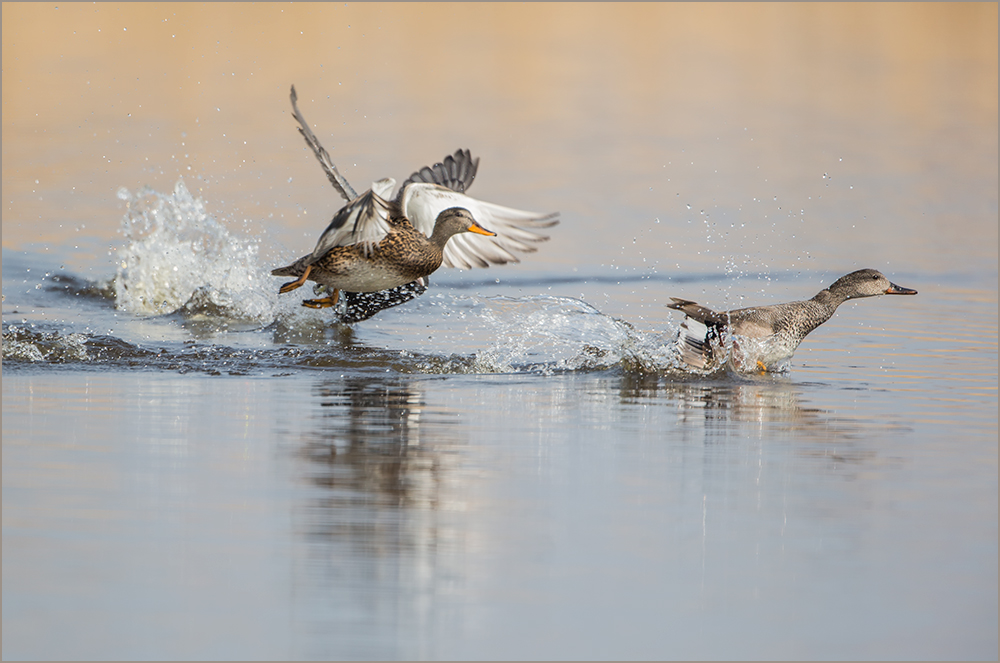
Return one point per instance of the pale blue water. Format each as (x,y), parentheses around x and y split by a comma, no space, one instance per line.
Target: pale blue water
(510,465)
(339,499)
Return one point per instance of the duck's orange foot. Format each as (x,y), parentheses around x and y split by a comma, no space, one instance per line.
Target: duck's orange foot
(325,302)
(292,285)
(761,367)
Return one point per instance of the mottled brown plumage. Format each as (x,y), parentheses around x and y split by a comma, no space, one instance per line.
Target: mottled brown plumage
(366,220)
(402,256)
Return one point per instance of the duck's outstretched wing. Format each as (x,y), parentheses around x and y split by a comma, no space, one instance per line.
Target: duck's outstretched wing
(336,179)
(365,220)
(515,229)
(456,172)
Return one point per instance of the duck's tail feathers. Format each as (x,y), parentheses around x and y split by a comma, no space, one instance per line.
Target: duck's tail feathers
(700,313)
(297,268)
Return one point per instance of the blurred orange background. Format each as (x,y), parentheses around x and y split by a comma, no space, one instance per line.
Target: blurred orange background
(586,108)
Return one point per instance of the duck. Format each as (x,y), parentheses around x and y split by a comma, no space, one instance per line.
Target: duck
(402,255)
(366,220)
(764,338)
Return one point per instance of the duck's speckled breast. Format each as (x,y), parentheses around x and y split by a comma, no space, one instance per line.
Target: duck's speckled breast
(401,257)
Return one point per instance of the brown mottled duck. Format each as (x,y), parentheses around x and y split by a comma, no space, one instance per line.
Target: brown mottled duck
(402,255)
(370,218)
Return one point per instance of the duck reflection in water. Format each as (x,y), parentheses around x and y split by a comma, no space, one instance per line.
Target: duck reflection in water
(368,446)
(762,407)
(373,536)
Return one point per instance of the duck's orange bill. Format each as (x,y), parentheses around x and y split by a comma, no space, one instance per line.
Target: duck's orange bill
(479,230)
(899,290)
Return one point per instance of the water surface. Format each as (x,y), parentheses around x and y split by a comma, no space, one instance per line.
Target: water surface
(511,465)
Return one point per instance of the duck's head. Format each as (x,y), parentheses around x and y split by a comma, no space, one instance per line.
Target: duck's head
(867,283)
(456,220)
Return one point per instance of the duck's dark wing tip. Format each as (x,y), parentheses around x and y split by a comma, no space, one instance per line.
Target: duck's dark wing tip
(336,179)
(547,221)
(456,172)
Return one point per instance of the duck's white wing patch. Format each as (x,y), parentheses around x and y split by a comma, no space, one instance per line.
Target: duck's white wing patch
(364,220)
(693,344)
(515,229)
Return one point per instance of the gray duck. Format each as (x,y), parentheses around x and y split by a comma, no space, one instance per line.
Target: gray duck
(778,329)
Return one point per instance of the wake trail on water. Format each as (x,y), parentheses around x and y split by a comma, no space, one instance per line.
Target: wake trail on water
(180,265)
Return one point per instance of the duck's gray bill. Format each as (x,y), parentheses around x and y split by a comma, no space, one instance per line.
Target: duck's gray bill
(899,290)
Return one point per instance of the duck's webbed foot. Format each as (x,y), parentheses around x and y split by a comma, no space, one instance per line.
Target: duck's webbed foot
(292,285)
(323,302)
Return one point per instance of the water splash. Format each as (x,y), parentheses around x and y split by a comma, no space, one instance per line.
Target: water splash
(177,256)
(546,334)
(25,344)
(542,336)
(178,261)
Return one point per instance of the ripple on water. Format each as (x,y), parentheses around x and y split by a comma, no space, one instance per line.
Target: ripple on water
(180,270)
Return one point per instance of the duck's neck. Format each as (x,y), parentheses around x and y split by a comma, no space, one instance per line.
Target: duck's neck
(812,313)
(440,237)
(829,300)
